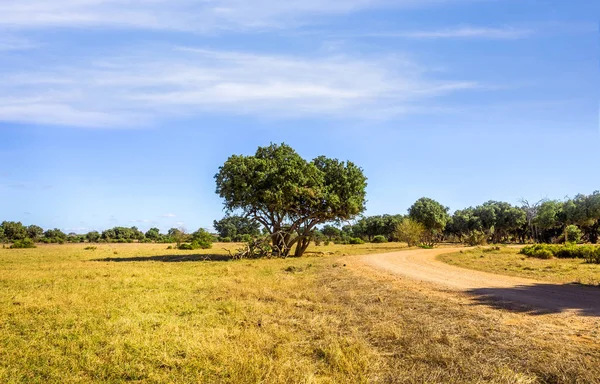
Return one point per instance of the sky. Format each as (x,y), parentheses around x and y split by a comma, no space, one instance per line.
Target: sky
(120,112)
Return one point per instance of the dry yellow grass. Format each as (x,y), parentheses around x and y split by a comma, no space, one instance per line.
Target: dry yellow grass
(508,261)
(66,318)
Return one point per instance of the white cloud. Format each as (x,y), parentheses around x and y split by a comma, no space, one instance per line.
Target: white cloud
(194,15)
(169,215)
(505,33)
(137,89)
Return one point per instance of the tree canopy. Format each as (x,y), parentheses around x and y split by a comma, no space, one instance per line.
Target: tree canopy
(289,195)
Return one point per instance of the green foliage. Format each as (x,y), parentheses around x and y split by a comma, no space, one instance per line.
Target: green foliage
(410,231)
(573,234)
(355,241)
(202,239)
(290,196)
(235,227)
(371,226)
(433,215)
(13,230)
(225,240)
(379,239)
(24,243)
(476,237)
(590,253)
(153,234)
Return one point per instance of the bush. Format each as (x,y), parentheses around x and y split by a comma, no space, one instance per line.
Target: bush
(476,238)
(379,239)
(25,243)
(225,239)
(91,248)
(590,253)
(355,240)
(573,234)
(186,247)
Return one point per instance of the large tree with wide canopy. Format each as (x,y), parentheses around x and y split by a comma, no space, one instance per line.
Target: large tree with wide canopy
(289,195)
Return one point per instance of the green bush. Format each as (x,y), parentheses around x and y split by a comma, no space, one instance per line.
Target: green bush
(379,239)
(225,239)
(573,234)
(355,240)
(186,247)
(25,243)
(590,253)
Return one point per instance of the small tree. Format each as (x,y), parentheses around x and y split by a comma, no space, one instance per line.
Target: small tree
(434,217)
(573,234)
(202,239)
(410,232)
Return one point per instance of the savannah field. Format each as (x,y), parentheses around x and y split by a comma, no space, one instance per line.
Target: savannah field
(142,313)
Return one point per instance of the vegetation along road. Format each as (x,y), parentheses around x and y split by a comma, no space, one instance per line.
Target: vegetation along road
(495,290)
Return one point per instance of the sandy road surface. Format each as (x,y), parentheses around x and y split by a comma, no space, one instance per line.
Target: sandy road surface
(495,290)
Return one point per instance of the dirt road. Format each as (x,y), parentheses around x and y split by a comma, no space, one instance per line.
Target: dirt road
(491,289)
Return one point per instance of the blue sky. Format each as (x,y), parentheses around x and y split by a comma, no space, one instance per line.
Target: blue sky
(118,112)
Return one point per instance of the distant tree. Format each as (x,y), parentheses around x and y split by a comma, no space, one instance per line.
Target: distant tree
(202,239)
(35,232)
(14,230)
(179,235)
(93,236)
(235,227)
(290,196)
(331,232)
(153,234)
(432,215)
(55,235)
(410,232)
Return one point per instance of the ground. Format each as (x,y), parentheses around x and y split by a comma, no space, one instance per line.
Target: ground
(124,313)
(508,261)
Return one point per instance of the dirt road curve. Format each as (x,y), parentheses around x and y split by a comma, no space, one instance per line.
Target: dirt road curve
(495,290)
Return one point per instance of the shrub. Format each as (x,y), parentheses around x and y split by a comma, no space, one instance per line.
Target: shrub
(186,247)
(246,238)
(379,239)
(25,243)
(225,239)
(568,251)
(476,238)
(573,234)
(90,248)
(355,240)
(326,242)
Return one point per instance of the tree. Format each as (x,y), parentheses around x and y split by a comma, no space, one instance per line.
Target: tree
(290,196)
(34,232)
(235,227)
(410,232)
(433,215)
(14,230)
(202,239)
(92,236)
(179,235)
(153,234)
(331,232)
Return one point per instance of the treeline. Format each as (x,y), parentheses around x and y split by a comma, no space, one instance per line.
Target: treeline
(428,222)
(16,232)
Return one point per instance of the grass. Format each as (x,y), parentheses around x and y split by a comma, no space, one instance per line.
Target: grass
(66,318)
(508,261)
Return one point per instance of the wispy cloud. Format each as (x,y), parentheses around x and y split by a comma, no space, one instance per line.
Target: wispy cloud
(504,33)
(11,43)
(137,89)
(169,215)
(192,15)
